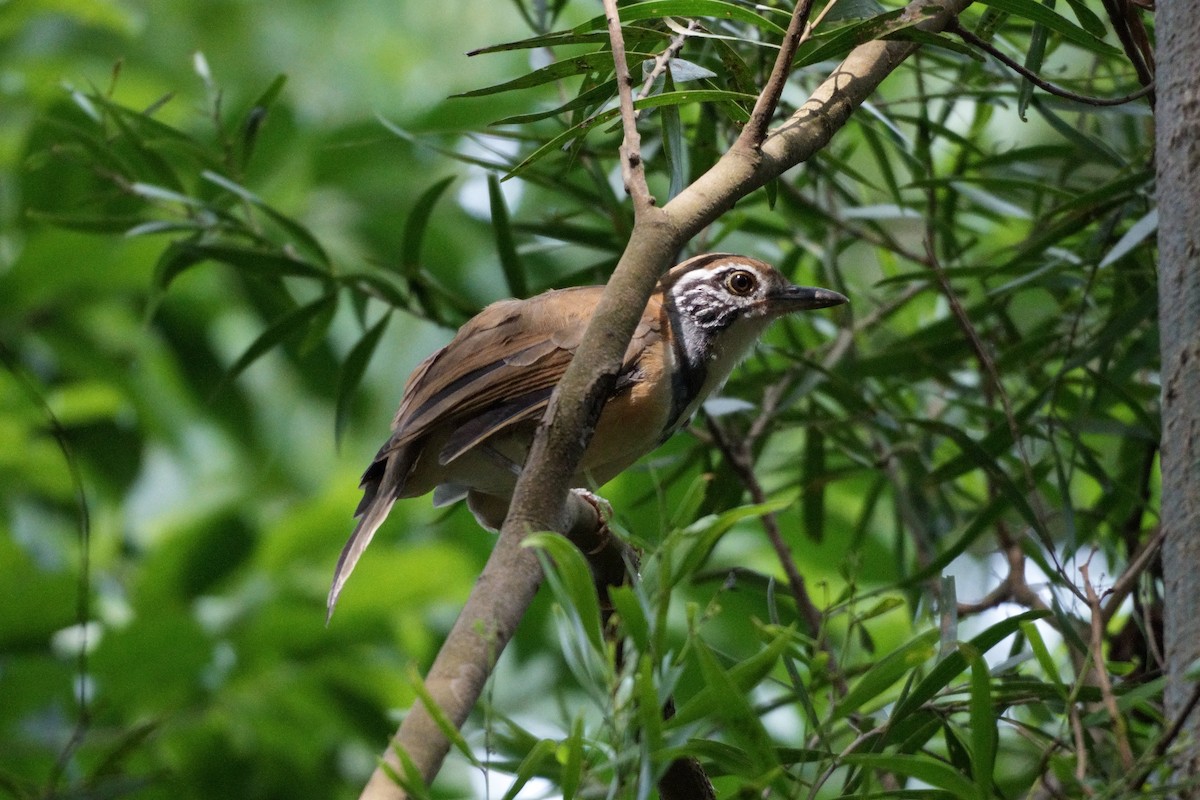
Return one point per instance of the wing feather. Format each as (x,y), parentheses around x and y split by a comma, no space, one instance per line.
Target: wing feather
(497,372)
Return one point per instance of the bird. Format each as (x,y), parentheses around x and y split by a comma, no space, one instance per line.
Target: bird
(470,410)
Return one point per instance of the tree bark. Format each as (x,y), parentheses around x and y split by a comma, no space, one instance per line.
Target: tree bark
(1178,165)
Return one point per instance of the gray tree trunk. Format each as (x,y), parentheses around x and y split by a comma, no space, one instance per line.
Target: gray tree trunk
(1178,165)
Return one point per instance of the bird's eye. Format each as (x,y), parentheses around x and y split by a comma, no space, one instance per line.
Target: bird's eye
(740,282)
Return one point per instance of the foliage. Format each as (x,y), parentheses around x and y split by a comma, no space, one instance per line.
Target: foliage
(195,304)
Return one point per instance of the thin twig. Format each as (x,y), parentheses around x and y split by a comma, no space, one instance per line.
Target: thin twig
(633,169)
(988,364)
(1041,83)
(1134,41)
(1081,750)
(1106,689)
(755,132)
(1132,574)
(663,59)
(1168,738)
(737,455)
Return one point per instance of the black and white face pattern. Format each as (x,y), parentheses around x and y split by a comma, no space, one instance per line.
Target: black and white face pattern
(710,298)
(715,296)
(716,306)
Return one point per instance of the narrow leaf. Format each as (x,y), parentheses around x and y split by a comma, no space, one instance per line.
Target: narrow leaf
(815,476)
(600,61)
(1136,234)
(886,672)
(352,371)
(299,233)
(983,726)
(674,144)
(448,728)
(954,664)
(506,245)
(417,223)
(923,768)
(277,332)
(1033,63)
(633,617)
(571,579)
(531,766)
(1036,12)
(658,9)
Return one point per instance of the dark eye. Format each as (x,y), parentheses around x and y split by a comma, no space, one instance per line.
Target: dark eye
(740,282)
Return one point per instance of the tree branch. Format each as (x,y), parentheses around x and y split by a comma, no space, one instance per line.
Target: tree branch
(633,169)
(1038,81)
(755,131)
(511,578)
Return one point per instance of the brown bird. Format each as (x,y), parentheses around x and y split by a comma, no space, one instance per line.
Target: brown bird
(470,410)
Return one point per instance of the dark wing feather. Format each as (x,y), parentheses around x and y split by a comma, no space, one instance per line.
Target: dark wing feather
(498,370)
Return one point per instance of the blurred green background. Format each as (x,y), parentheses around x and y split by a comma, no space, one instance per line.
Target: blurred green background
(214,507)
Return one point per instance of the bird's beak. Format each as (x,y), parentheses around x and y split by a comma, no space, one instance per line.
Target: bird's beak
(804,298)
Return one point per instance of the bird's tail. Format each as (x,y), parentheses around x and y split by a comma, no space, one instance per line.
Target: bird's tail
(381,487)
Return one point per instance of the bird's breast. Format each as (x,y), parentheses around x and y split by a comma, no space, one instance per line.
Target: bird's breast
(633,420)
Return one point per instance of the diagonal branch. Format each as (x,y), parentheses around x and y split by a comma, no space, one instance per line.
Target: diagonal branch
(1036,79)
(755,132)
(512,575)
(633,169)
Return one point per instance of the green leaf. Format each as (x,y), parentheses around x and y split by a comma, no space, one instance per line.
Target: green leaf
(568,67)
(885,673)
(674,145)
(1137,233)
(571,579)
(633,617)
(278,331)
(1033,63)
(531,766)
(741,678)
(255,116)
(928,39)
(1088,18)
(352,371)
(158,168)
(728,705)
(984,736)
(1036,12)
(837,43)
(923,768)
(955,663)
(729,99)
(570,755)
(299,234)
(1042,653)
(438,715)
(506,246)
(556,39)
(701,537)
(180,256)
(416,225)
(649,704)
(588,98)
(988,464)
(659,9)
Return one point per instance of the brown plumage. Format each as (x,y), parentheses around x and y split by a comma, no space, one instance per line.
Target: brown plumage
(470,410)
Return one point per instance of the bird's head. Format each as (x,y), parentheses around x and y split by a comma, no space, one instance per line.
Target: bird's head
(715,293)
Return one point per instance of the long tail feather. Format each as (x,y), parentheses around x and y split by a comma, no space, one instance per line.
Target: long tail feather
(357,543)
(382,484)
